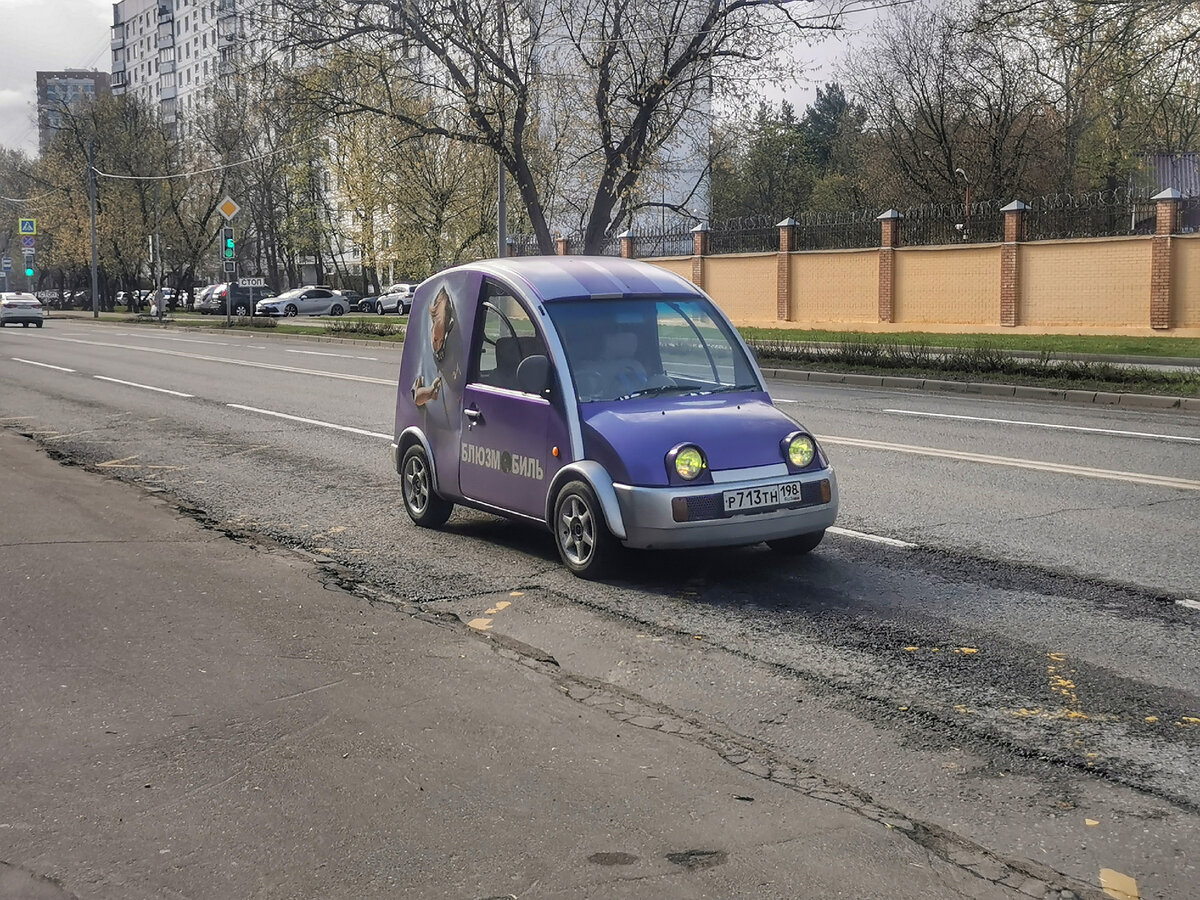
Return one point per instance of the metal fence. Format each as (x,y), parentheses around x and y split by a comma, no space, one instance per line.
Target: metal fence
(952,223)
(836,231)
(1094,214)
(677,241)
(747,234)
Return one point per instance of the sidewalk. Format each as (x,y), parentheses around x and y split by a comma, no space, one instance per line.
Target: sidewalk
(188,716)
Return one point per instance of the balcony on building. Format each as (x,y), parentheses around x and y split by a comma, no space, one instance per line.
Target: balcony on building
(165,38)
(226,8)
(166,11)
(166,66)
(117,40)
(168,91)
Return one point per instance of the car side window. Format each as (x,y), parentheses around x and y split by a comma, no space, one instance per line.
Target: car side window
(504,337)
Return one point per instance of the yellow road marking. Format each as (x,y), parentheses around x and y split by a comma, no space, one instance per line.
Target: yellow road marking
(1118,886)
(480,624)
(502,605)
(1091,822)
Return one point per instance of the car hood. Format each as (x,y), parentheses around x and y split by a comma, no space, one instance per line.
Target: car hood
(632,438)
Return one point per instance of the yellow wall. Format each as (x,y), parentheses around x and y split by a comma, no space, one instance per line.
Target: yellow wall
(744,286)
(835,286)
(680,265)
(1185,282)
(1099,282)
(950,285)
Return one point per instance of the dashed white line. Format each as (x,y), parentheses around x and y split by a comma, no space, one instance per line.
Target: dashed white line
(1185,484)
(30,362)
(1112,431)
(1190,604)
(279,415)
(338,355)
(872,538)
(145,387)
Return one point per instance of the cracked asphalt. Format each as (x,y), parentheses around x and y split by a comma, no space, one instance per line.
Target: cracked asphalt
(1009,696)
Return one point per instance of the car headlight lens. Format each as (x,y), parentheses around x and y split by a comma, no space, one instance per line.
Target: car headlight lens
(689,463)
(801,450)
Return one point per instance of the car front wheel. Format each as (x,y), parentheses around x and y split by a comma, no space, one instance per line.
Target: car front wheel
(379,309)
(584,542)
(797,545)
(291,311)
(423,506)
(336,310)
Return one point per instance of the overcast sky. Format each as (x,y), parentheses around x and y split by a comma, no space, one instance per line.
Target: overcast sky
(48,35)
(45,35)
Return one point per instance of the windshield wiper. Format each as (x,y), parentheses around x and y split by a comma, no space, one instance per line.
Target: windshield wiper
(656,391)
(727,388)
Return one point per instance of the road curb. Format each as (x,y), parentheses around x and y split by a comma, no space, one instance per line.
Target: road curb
(990,389)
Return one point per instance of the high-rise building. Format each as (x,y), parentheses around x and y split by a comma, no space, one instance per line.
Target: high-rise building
(169,52)
(57,92)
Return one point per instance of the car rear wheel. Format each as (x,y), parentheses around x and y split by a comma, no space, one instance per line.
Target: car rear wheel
(241,308)
(795,546)
(584,542)
(290,310)
(423,506)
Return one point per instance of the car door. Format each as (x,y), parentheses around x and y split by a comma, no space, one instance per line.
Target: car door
(505,458)
(315,302)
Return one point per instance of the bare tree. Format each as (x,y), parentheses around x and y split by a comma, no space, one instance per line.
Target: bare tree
(575,97)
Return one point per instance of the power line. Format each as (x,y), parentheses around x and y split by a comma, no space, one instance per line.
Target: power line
(221,168)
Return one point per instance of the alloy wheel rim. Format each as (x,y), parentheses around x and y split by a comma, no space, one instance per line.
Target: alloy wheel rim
(417,490)
(576,531)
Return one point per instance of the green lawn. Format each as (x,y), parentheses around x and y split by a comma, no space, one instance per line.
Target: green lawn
(1100,345)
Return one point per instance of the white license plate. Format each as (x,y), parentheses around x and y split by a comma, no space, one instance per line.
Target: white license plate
(761,497)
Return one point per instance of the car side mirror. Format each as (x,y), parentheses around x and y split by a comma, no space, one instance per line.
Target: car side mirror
(533,374)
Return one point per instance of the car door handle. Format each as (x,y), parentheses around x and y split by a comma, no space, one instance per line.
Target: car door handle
(474,415)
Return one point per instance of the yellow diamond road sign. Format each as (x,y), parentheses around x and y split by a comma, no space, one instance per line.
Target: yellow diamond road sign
(228,208)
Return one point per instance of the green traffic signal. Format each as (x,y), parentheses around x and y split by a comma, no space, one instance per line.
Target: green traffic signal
(28,271)
(229,248)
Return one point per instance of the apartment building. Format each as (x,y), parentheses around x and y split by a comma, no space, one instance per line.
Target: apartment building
(57,92)
(170,52)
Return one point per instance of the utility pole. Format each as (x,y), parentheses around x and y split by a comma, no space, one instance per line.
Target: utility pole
(501,198)
(92,203)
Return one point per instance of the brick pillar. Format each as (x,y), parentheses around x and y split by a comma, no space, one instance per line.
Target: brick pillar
(783,279)
(699,251)
(1166,224)
(889,240)
(562,245)
(627,244)
(1010,275)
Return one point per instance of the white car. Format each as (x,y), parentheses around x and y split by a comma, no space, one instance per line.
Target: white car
(20,308)
(396,299)
(304,301)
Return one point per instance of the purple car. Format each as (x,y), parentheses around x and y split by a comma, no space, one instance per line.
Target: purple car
(607,399)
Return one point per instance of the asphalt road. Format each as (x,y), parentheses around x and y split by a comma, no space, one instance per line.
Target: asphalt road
(1000,646)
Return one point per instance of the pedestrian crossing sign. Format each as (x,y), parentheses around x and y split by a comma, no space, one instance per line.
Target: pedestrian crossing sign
(28,226)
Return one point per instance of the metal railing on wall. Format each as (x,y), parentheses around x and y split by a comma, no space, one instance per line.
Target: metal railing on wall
(1106,213)
(953,223)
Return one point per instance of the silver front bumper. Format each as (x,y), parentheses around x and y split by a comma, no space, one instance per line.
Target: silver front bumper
(651,521)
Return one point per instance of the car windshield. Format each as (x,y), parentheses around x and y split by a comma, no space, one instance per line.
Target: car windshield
(640,346)
(290,295)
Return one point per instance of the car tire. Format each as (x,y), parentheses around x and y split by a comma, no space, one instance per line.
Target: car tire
(422,504)
(585,544)
(379,309)
(291,311)
(797,545)
(38,324)
(241,309)
(336,310)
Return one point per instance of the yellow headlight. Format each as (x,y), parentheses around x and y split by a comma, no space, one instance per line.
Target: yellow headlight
(689,463)
(801,450)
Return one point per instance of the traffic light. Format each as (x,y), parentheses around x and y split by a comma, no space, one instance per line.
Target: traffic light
(227,235)
(28,265)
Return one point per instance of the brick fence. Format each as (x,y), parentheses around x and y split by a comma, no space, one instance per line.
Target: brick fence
(1129,284)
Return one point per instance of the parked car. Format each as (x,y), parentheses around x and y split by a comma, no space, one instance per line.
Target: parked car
(608,399)
(312,300)
(396,299)
(242,300)
(20,308)
(353,298)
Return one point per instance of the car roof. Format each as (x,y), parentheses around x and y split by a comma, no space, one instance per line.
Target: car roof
(572,277)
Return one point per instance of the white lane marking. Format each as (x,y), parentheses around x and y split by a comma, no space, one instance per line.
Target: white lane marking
(30,362)
(145,387)
(338,355)
(163,337)
(390,382)
(784,400)
(1058,468)
(279,415)
(1190,604)
(873,538)
(1112,431)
